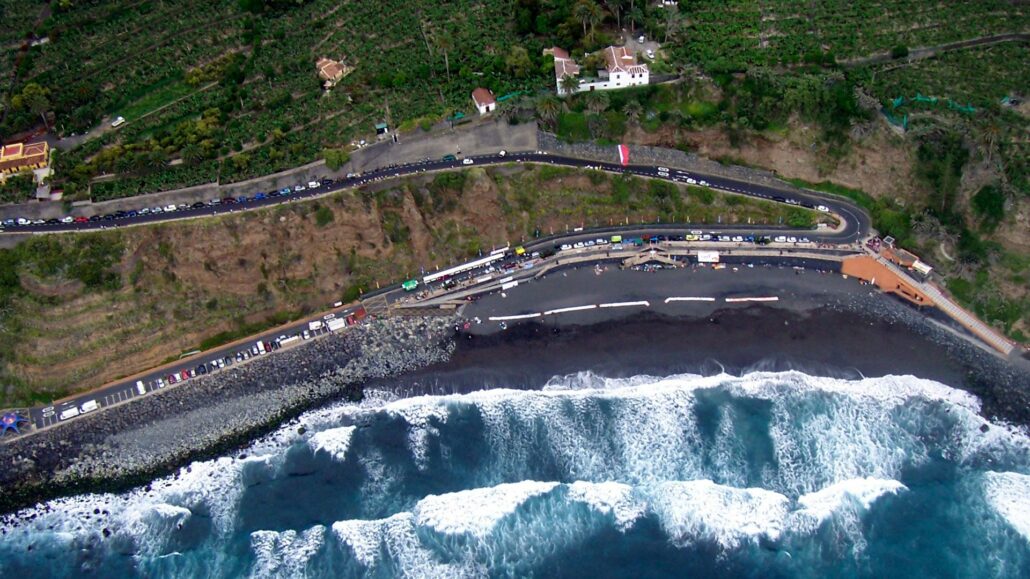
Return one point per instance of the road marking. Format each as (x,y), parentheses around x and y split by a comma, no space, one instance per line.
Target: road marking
(689,299)
(765,299)
(626,304)
(506,318)
(573,309)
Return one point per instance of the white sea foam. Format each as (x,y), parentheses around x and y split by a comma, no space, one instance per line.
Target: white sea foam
(861,493)
(702,510)
(394,537)
(334,441)
(286,553)
(611,498)
(1008,493)
(477,511)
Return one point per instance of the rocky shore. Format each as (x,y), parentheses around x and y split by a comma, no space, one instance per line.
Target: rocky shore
(129,444)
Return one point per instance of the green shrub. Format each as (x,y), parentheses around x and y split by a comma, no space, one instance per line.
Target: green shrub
(323,216)
(573,127)
(989,204)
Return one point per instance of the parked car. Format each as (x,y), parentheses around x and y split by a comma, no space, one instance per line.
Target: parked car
(198,205)
(260,196)
(314,184)
(299,187)
(467,161)
(67,219)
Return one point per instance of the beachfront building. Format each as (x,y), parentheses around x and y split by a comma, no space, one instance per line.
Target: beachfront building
(484,100)
(621,70)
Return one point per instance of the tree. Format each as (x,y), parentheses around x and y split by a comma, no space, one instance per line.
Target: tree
(597,102)
(615,7)
(192,154)
(36,99)
(444,43)
(548,108)
(569,84)
(633,110)
(588,12)
(518,62)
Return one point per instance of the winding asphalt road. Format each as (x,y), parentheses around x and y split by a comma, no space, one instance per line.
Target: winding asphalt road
(856,225)
(856,220)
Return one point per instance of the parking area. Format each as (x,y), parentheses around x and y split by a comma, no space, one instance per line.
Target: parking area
(198,364)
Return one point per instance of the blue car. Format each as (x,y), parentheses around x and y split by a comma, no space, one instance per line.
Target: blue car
(284,191)
(260,196)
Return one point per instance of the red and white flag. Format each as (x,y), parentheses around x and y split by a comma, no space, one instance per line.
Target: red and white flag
(624,155)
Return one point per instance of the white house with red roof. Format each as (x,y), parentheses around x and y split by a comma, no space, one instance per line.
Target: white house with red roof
(621,70)
(484,100)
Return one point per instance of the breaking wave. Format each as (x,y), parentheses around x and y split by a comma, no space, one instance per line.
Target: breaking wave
(769,474)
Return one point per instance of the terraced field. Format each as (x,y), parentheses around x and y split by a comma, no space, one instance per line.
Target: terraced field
(737,33)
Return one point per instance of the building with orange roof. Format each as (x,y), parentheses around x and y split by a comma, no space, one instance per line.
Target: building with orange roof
(484,100)
(21,157)
(621,70)
(330,71)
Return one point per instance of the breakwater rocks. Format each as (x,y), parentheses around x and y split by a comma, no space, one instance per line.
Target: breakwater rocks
(1003,386)
(124,445)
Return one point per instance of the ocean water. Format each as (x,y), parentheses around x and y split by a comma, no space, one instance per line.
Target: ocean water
(765,475)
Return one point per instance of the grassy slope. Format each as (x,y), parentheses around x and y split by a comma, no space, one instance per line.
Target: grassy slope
(176,284)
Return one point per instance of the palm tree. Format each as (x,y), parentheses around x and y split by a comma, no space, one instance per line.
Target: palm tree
(615,7)
(597,102)
(548,108)
(444,43)
(588,12)
(569,84)
(633,110)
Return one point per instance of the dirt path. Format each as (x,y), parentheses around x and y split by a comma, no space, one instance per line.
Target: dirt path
(925,52)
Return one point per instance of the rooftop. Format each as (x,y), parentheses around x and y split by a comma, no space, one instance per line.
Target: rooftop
(483,97)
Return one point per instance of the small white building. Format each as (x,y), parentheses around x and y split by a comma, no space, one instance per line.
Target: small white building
(621,71)
(484,99)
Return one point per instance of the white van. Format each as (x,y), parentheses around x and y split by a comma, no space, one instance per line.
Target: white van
(140,388)
(68,413)
(89,406)
(118,122)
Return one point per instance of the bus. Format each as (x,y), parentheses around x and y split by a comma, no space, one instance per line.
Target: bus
(616,239)
(410,285)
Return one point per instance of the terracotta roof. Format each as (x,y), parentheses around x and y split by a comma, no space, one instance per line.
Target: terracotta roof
(483,97)
(563,65)
(18,155)
(621,59)
(329,69)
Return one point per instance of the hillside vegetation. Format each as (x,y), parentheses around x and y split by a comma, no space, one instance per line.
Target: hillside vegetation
(859,95)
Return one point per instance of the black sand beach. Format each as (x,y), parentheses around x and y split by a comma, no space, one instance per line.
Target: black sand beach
(822,324)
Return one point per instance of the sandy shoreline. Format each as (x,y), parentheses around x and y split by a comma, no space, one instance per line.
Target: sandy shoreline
(822,325)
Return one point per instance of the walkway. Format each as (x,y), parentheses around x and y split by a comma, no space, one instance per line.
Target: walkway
(969,321)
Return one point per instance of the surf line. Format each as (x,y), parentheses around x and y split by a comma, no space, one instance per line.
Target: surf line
(689,299)
(506,318)
(626,304)
(572,309)
(766,299)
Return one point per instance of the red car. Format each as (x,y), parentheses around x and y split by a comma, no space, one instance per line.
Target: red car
(82,220)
